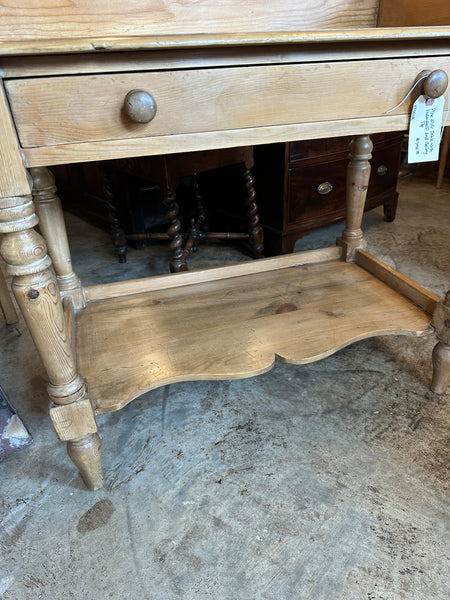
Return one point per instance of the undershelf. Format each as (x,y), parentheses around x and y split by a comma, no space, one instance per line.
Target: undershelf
(203,327)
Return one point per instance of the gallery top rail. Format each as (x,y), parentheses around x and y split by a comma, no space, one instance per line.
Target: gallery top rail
(168,42)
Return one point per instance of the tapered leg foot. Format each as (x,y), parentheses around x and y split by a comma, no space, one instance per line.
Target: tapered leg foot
(441,368)
(390,209)
(86,453)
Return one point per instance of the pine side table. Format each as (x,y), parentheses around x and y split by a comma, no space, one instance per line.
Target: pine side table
(199,76)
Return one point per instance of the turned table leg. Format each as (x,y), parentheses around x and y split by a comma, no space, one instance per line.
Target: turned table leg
(49,322)
(358,173)
(118,235)
(52,226)
(197,230)
(441,352)
(255,231)
(178,262)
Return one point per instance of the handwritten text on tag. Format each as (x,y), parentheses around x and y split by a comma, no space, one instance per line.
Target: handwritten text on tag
(425,129)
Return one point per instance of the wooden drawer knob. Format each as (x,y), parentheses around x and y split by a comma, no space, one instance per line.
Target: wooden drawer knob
(435,84)
(140,106)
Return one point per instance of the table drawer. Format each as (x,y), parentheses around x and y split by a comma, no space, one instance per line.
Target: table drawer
(67,109)
(315,191)
(321,150)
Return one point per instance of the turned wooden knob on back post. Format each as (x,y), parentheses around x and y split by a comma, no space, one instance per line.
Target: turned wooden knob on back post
(140,106)
(435,84)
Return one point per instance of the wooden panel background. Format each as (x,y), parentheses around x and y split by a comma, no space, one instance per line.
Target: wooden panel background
(102,18)
(413,13)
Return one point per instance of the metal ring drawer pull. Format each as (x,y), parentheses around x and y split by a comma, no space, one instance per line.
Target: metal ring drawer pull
(140,106)
(382,170)
(324,188)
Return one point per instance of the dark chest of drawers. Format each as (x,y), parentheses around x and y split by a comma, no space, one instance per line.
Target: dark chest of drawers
(301,185)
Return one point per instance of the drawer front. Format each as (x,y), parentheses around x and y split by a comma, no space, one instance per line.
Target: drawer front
(306,205)
(321,149)
(384,168)
(316,191)
(60,110)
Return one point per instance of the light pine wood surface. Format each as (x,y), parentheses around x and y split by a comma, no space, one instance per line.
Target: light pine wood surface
(202,100)
(6,304)
(148,146)
(165,282)
(58,20)
(233,328)
(358,174)
(441,352)
(400,283)
(51,223)
(13,176)
(39,47)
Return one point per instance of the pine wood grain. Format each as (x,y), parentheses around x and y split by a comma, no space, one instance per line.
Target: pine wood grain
(163,282)
(58,110)
(210,140)
(400,283)
(155,17)
(6,304)
(13,177)
(73,420)
(51,224)
(93,45)
(233,328)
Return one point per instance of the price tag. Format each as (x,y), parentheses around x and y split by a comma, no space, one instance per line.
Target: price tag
(425,129)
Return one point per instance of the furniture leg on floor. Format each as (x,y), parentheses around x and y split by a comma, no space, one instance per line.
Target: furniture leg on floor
(36,290)
(441,352)
(166,172)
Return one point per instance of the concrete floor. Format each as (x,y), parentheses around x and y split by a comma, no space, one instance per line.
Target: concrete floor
(320,482)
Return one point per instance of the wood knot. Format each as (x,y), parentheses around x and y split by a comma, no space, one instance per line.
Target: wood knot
(284,308)
(33,294)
